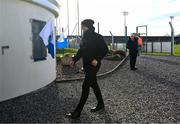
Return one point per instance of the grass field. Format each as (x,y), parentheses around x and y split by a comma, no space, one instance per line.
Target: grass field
(176,52)
(70,51)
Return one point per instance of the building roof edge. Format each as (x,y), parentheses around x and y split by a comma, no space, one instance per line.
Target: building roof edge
(46,4)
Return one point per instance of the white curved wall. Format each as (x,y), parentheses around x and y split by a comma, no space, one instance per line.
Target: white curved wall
(19,74)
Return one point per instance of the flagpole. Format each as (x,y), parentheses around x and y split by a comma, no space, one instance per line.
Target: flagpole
(68,15)
(78,14)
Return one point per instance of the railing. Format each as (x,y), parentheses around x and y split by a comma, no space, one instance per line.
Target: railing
(150,43)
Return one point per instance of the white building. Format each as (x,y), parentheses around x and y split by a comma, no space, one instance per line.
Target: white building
(25,65)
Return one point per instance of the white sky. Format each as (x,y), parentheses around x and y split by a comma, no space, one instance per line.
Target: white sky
(153,13)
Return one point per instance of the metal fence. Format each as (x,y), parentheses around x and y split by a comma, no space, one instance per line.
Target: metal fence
(150,43)
(160,44)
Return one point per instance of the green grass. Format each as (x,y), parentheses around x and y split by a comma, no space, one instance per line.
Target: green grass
(65,52)
(70,51)
(157,53)
(176,52)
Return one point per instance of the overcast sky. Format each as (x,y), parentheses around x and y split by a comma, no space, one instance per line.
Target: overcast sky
(153,13)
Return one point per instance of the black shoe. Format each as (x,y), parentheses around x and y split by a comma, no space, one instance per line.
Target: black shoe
(73,115)
(97,108)
(133,69)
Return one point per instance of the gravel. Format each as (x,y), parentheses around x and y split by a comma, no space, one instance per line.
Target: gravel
(150,94)
(68,73)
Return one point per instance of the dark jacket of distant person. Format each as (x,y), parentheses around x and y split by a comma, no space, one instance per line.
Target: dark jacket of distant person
(132,45)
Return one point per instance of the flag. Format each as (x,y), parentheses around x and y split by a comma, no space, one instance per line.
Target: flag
(61,38)
(47,35)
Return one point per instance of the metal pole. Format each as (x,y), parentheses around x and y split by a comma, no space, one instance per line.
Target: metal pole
(172,35)
(98,27)
(112,39)
(68,15)
(125,25)
(126,38)
(172,38)
(137,30)
(78,15)
(125,13)
(146,37)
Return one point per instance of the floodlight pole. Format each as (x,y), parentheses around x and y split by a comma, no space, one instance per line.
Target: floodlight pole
(125,13)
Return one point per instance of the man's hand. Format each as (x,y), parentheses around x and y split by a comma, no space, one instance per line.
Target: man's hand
(72,64)
(94,62)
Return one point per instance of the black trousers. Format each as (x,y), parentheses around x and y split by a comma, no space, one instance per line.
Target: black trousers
(133,56)
(90,81)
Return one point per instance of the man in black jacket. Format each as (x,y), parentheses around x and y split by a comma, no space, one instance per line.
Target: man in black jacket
(132,45)
(92,50)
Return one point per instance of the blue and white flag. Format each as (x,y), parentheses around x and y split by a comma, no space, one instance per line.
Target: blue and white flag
(61,38)
(47,34)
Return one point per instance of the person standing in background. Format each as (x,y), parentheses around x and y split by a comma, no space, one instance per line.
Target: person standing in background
(132,45)
(140,44)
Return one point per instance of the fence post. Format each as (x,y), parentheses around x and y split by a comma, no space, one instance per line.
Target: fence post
(152,47)
(172,38)
(161,46)
(112,39)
